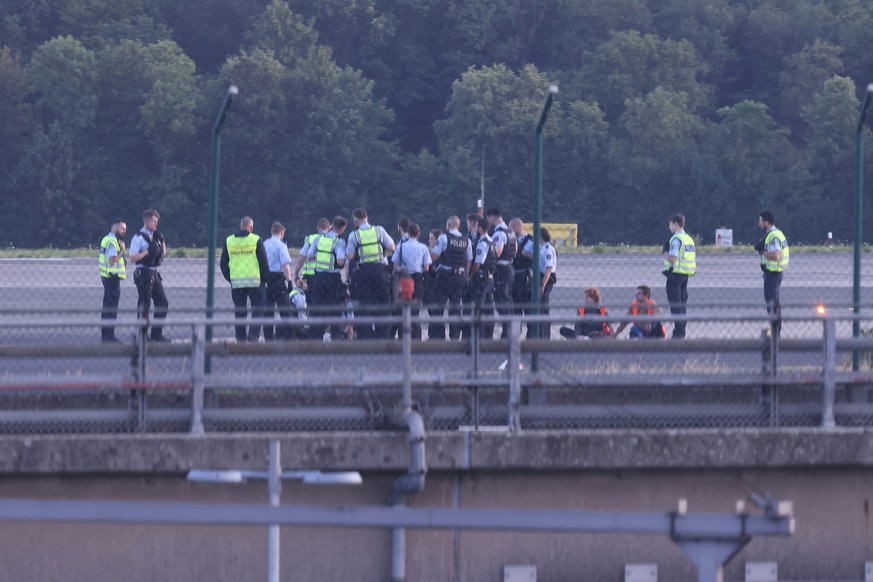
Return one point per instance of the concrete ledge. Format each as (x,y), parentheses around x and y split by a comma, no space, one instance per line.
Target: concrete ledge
(542,451)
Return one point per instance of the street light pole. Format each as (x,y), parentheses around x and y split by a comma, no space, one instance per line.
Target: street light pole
(859,210)
(537,215)
(232,91)
(274,477)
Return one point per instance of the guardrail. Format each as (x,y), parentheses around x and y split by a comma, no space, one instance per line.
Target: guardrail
(356,385)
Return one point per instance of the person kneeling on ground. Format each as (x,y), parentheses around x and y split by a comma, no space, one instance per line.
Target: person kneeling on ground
(645,304)
(590,328)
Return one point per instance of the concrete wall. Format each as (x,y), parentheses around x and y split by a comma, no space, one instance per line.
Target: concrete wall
(831,500)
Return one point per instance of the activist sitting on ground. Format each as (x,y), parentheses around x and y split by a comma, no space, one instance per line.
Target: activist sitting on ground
(589,327)
(643,304)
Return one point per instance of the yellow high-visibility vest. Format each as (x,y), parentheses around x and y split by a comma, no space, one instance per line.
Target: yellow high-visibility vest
(370,249)
(687,263)
(309,264)
(245,271)
(119,269)
(325,257)
(782,263)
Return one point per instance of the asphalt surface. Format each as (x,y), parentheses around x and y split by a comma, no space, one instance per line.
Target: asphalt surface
(727,284)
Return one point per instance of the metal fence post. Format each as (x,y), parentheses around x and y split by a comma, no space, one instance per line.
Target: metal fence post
(829,386)
(137,396)
(198,377)
(407,358)
(514,361)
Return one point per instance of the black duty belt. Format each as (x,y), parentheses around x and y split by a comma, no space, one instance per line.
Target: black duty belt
(455,271)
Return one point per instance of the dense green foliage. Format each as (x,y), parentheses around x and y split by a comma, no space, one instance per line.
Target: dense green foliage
(714,108)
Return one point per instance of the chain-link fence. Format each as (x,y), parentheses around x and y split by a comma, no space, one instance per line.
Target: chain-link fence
(58,377)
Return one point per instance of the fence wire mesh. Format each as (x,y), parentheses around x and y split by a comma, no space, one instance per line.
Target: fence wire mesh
(57,376)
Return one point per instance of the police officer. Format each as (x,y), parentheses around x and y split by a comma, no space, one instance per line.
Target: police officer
(521,265)
(482,276)
(454,252)
(328,251)
(774,260)
(244,265)
(470,289)
(370,287)
(680,264)
(548,265)
(506,245)
(412,258)
(147,251)
(113,269)
(305,268)
(279,283)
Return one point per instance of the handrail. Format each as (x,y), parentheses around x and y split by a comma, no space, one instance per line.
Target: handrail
(403,370)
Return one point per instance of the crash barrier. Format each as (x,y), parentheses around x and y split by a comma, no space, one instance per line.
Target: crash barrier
(803,378)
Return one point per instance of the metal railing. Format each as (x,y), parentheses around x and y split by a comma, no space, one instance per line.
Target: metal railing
(755,379)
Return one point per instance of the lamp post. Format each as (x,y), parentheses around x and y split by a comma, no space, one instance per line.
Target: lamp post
(274,477)
(232,91)
(537,213)
(859,209)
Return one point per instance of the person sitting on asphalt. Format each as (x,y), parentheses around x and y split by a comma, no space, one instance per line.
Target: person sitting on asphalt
(645,304)
(590,328)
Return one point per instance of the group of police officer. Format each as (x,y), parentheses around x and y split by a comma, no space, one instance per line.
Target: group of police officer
(489,267)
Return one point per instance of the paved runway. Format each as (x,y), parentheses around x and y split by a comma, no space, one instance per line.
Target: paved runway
(726,283)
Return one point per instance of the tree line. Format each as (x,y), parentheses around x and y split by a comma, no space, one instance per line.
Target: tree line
(714,108)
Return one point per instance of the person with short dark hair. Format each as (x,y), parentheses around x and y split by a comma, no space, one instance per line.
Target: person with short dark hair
(113,270)
(645,305)
(521,265)
(774,260)
(244,265)
(305,268)
(482,276)
(279,283)
(147,251)
(370,287)
(412,259)
(548,266)
(327,295)
(469,296)
(679,265)
(506,246)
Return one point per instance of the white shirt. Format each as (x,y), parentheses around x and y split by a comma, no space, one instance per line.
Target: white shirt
(277,254)
(411,254)
(548,258)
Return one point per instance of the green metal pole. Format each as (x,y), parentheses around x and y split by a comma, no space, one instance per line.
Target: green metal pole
(537,213)
(859,209)
(213,211)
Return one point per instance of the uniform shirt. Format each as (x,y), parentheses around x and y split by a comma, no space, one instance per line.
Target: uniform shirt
(139,244)
(548,258)
(277,254)
(340,251)
(412,255)
(482,248)
(676,244)
(774,245)
(383,237)
(443,243)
